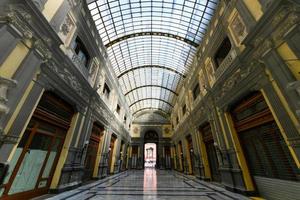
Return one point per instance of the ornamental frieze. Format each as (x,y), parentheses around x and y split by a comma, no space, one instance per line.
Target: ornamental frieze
(238,76)
(67,77)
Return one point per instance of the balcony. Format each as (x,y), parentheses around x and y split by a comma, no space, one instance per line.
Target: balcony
(78,62)
(226,63)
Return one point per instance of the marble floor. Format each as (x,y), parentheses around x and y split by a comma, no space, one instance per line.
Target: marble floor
(149,184)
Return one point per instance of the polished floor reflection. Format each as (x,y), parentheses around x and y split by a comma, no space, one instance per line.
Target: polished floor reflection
(147,185)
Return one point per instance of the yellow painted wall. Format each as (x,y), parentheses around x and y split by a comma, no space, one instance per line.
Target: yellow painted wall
(173,155)
(98,158)
(51,8)
(223,130)
(129,151)
(284,101)
(188,156)
(240,155)
(112,166)
(282,131)
(204,158)
(17,111)
(179,157)
(255,8)
(290,59)
(13,61)
(79,131)
(64,152)
(19,106)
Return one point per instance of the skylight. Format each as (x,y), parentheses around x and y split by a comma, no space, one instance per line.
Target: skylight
(151,44)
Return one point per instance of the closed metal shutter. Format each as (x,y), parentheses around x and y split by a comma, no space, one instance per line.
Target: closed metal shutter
(265,150)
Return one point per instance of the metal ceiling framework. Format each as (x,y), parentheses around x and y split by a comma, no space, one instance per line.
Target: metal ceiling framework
(152,109)
(151,45)
(136,88)
(125,37)
(152,66)
(151,98)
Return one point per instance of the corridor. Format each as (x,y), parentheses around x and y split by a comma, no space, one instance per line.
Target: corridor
(94,91)
(149,184)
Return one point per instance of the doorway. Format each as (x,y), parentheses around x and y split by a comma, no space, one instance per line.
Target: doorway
(151,138)
(211,152)
(38,151)
(180,157)
(190,154)
(266,152)
(111,154)
(92,150)
(150,152)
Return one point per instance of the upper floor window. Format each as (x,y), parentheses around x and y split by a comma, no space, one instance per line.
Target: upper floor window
(177,120)
(125,119)
(118,109)
(222,51)
(106,91)
(81,52)
(184,109)
(196,91)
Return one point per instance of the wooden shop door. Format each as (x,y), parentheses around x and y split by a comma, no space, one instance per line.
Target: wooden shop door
(211,152)
(38,151)
(92,150)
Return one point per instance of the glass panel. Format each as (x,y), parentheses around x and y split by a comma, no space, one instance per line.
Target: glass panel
(17,154)
(33,160)
(51,158)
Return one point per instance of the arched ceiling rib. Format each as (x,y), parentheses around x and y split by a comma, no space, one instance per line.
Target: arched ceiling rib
(153,66)
(125,37)
(150,108)
(150,99)
(151,42)
(143,86)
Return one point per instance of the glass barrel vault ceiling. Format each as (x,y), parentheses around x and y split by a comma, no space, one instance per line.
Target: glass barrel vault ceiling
(151,44)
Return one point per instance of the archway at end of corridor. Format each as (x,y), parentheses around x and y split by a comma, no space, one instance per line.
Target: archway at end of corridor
(150,151)
(151,140)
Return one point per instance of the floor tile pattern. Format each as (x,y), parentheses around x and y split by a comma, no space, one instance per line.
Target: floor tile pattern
(149,184)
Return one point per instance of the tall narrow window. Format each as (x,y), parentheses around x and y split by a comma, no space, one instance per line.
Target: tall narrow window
(222,51)
(118,109)
(106,91)
(196,91)
(81,52)
(184,109)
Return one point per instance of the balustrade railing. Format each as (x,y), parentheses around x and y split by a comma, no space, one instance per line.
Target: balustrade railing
(225,64)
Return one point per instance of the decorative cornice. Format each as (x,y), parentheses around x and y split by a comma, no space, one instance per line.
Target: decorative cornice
(18,18)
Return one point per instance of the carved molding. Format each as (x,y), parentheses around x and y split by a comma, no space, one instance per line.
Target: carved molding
(286,19)
(42,50)
(235,78)
(238,28)
(18,18)
(67,77)
(5,85)
(8,139)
